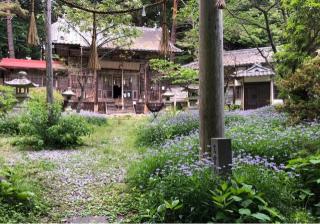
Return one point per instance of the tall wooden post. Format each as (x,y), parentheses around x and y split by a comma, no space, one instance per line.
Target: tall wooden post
(211,74)
(49,70)
(10,34)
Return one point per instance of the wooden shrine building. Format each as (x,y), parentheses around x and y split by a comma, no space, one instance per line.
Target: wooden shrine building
(125,76)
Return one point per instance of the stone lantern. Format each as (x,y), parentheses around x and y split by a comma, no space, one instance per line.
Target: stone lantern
(22,85)
(167,99)
(68,94)
(193,96)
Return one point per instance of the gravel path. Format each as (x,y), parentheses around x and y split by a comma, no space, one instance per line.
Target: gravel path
(73,177)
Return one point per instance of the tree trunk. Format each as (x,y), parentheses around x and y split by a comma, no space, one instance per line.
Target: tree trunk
(173,38)
(49,69)
(270,36)
(81,98)
(211,74)
(10,35)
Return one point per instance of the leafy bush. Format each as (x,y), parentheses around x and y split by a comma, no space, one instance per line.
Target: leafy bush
(38,129)
(239,202)
(7,99)
(302,90)
(9,124)
(275,184)
(67,131)
(18,203)
(308,170)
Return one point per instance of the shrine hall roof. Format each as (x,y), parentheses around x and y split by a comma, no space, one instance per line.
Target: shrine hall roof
(13,63)
(148,39)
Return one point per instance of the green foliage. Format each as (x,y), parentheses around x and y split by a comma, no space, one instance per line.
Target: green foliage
(38,129)
(170,173)
(18,201)
(277,187)
(7,99)
(302,90)
(174,73)
(308,169)
(239,202)
(117,26)
(9,125)
(301,35)
(20,30)
(246,12)
(67,131)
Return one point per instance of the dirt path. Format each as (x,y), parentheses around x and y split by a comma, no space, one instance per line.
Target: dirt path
(88,182)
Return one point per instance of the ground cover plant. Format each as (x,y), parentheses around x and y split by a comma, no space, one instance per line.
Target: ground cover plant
(20,196)
(263,145)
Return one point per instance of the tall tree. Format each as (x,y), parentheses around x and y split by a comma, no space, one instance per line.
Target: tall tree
(263,20)
(20,23)
(302,35)
(10,34)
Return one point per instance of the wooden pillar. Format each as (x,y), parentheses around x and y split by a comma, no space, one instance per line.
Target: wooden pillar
(49,70)
(271,90)
(122,88)
(211,74)
(242,95)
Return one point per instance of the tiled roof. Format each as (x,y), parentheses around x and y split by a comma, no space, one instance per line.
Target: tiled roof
(242,57)
(255,71)
(147,40)
(12,63)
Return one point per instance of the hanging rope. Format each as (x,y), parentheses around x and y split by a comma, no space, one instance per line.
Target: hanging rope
(221,4)
(94,63)
(111,12)
(164,43)
(33,38)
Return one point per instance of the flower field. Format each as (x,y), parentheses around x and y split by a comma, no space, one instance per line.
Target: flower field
(172,185)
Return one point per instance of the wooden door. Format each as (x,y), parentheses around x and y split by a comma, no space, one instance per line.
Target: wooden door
(256,95)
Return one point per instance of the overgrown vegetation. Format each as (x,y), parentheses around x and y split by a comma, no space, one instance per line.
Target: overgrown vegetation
(302,90)
(20,195)
(265,185)
(33,128)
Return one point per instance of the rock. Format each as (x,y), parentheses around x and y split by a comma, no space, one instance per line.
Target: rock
(88,219)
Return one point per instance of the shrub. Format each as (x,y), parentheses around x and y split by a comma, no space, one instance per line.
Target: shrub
(277,186)
(239,202)
(7,99)
(302,90)
(38,129)
(9,124)
(67,131)
(308,171)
